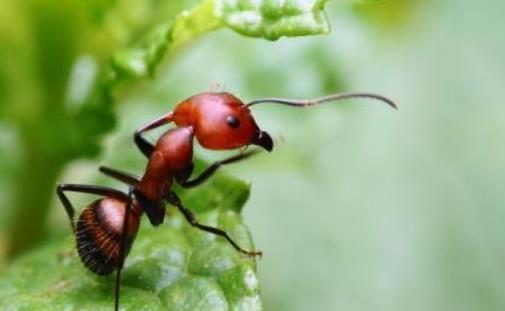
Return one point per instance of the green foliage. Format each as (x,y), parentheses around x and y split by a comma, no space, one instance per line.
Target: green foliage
(273,19)
(142,60)
(386,15)
(267,19)
(172,267)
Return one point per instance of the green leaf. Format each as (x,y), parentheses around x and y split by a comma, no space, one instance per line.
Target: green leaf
(272,19)
(172,267)
(142,59)
(269,19)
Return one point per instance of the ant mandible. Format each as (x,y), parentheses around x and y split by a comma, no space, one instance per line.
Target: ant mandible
(219,121)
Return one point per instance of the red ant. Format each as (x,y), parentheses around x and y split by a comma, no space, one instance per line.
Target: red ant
(107,228)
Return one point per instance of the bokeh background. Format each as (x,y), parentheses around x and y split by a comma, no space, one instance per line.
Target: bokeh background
(359,207)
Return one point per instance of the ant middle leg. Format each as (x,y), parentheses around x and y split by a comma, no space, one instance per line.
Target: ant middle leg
(190,217)
(125,177)
(91,189)
(211,170)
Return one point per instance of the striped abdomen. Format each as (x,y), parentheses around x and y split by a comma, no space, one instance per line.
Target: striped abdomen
(99,234)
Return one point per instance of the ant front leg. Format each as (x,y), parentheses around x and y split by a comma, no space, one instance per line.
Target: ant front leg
(91,189)
(173,199)
(211,170)
(143,144)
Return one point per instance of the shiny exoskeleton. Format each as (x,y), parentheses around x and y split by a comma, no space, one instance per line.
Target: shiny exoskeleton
(106,229)
(99,234)
(100,229)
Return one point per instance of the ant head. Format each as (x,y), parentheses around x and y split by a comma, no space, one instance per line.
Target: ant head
(221,121)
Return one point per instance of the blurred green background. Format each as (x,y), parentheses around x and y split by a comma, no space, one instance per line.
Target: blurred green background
(358,207)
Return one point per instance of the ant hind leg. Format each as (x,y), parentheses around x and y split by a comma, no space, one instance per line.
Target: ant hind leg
(122,251)
(91,189)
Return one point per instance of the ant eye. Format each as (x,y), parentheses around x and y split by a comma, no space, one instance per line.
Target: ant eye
(232,121)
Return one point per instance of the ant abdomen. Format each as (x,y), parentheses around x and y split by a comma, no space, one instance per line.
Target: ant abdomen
(99,234)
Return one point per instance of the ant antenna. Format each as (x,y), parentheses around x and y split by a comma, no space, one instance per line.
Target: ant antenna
(320,100)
